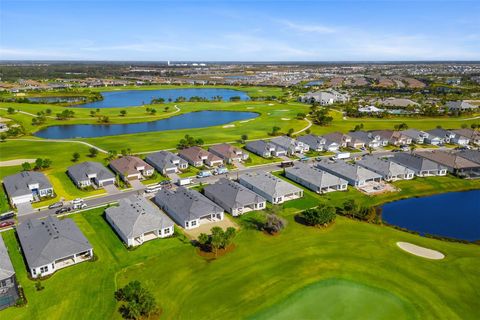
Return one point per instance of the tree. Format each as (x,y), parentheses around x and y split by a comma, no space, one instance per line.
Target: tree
(26,166)
(138,301)
(38,163)
(111,154)
(10,110)
(290,132)
(321,117)
(93,152)
(123,113)
(48,111)
(358,127)
(46,163)
(401,126)
(301,116)
(274,224)
(275,130)
(324,214)
(104,119)
(3,137)
(92,113)
(218,239)
(166,108)
(153,111)
(350,208)
(243,138)
(75,156)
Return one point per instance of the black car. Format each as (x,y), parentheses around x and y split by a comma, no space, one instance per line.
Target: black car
(63,210)
(58,204)
(165,182)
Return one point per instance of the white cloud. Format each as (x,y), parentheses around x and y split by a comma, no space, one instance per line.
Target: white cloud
(308,28)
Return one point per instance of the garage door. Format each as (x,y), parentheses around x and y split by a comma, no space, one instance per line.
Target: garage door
(108,182)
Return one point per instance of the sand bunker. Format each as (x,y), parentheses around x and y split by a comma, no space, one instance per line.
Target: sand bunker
(420,251)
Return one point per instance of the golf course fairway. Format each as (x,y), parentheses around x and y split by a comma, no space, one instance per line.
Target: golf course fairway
(339,299)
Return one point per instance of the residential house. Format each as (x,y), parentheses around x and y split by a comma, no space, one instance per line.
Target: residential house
(291,145)
(27,186)
(137,220)
(459,139)
(265,149)
(389,170)
(51,244)
(198,157)
(337,138)
(454,162)
(315,143)
(8,280)
(417,136)
(421,166)
(367,138)
(274,189)
(444,135)
(166,162)
(370,110)
(233,197)
(228,153)
(395,138)
(325,97)
(189,208)
(315,179)
(355,175)
(131,168)
(398,102)
(90,173)
(472,155)
(3,127)
(472,135)
(461,106)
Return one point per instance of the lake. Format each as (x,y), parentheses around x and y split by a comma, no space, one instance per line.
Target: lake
(184,121)
(453,215)
(132,98)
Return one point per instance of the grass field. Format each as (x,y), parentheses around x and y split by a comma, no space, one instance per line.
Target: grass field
(264,272)
(339,299)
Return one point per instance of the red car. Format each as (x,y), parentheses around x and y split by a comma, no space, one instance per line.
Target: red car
(6,224)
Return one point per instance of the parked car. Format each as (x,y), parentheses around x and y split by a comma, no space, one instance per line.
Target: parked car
(7,215)
(6,224)
(220,170)
(154,188)
(184,181)
(286,164)
(63,210)
(80,205)
(204,174)
(304,159)
(341,155)
(55,205)
(164,182)
(77,200)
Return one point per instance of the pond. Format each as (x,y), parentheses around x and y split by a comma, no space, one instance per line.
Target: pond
(189,120)
(132,98)
(453,215)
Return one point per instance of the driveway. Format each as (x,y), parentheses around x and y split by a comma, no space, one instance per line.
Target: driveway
(174,177)
(24,208)
(111,189)
(136,184)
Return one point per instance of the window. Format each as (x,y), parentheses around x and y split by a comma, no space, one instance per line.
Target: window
(34,271)
(193,223)
(43,269)
(260,205)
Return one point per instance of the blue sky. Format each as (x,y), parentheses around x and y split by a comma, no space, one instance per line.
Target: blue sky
(240,30)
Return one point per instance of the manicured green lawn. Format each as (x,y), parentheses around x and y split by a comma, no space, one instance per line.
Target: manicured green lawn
(264,272)
(339,299)
(4,206)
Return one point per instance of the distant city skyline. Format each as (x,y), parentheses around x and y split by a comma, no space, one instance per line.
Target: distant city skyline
(240,30)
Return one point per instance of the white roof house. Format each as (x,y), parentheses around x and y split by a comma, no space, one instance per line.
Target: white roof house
(274,189)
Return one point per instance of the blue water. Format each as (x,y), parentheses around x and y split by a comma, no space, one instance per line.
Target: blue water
(314,83)
(131,98)
(454,215)
(184,121)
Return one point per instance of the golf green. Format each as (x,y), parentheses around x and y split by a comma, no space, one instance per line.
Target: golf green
(339,299)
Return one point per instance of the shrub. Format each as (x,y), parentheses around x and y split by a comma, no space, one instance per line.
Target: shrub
(322,215)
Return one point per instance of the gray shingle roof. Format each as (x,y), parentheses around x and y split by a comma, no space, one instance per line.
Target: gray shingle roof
(454,105)
(187,204)
(315,176)
(312,140)
(44,241)
(472,155)
(233,194)
(416,162)
(383,166)
(348,170)
(163,160)
(269,184)
(261,146)
(6,267)
(80,172)
(136,215)
(17,184)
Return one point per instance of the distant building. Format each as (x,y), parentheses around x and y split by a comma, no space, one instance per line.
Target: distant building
(274,189)
(131,168)
(325,97)
(166,162)
(459,106)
